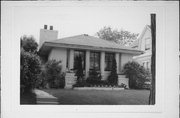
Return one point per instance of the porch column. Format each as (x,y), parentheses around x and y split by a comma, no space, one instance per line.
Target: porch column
(102,63)
(71,59)
(87,63)
(117,61)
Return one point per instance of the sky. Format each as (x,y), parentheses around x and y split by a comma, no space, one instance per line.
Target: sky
(76,19)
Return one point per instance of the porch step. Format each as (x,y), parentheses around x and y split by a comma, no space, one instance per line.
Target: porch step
(121,76)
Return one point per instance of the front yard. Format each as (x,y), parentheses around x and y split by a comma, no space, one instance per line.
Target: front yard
(100,97)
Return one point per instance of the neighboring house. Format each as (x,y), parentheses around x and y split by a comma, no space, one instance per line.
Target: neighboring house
(96,53)
(143,43)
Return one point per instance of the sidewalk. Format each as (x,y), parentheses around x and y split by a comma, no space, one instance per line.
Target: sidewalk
(45,98)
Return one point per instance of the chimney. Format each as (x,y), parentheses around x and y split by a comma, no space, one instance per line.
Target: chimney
(51,27)
(45,26)
(47,35)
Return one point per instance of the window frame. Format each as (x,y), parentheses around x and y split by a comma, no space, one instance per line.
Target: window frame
(147,45)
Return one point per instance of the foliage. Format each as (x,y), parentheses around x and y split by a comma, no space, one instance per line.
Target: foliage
(122,37)
(29,44)
(30,69)
(79,71)
(122,85)
(52,75)
(136,73)
(94,77)
(113,77)
(81,84)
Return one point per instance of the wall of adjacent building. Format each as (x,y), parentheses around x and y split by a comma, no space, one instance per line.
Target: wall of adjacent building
(144,59)
(124,59)
(59,54)
(146,35)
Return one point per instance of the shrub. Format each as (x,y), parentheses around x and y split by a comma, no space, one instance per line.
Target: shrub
(113,77)
(79,71)
(30,69)
(94,77)
(52,75)
(136,73)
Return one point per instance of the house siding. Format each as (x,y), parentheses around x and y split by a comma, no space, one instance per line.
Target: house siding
(146,57)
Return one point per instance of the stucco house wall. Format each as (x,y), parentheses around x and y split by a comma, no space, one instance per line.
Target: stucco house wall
(124,59)
(59,54)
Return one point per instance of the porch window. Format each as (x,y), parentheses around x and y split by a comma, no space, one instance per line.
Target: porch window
(108,61)
(76,54)
(95,60)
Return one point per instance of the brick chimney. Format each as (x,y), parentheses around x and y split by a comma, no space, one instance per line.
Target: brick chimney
(47,35)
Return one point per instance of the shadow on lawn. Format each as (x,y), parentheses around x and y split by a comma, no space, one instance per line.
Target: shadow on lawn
(28,98)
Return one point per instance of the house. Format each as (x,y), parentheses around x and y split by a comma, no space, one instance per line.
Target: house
(96,53)
(144,43)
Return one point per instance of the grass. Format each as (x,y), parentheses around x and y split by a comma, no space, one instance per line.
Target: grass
(100,97)
(28,98)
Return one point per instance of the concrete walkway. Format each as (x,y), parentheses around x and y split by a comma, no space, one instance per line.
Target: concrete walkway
(45,98)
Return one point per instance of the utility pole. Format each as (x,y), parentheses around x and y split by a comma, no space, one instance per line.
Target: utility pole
(153,60)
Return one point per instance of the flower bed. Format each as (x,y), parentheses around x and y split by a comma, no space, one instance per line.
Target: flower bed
(98,88)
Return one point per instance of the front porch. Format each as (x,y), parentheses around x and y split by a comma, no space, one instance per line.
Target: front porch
(99,60)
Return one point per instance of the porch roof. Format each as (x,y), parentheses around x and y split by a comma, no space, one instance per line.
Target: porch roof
(87,42)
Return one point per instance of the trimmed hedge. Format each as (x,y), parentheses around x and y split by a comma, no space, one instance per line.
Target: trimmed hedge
(94,77)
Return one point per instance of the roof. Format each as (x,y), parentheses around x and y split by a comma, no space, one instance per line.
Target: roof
(135,43)
(90,42)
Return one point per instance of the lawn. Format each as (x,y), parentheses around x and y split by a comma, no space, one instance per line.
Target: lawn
(100,97)
(28,98)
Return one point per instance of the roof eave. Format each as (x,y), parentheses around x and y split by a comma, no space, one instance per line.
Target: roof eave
(74,46)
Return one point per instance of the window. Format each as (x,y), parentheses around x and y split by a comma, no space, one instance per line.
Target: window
(76,54)
(108,61)
(147,65)
(143,64)
(95,60)
(147,43)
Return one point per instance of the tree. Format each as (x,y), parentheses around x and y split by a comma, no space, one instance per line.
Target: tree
(122,37)
(30,69)
(30,64)
(29,44)
(79,72)
(153,60)
(113,78)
